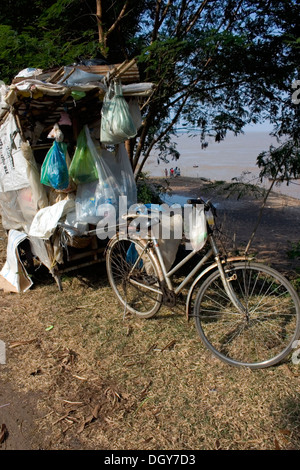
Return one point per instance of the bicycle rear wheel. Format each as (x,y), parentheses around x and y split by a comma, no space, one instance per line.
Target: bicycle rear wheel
(133,275)
(261,336)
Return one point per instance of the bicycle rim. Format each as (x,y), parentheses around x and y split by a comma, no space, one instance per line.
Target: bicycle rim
(264,334)
(131,271)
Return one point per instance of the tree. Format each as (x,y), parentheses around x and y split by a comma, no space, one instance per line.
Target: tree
(217,65)
(220,65)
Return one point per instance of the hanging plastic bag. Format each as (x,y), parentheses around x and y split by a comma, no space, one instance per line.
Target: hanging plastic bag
(54,171)
(56,134)
(119,165)
(135,112)
(195,226)
(83,167)
(117,124)
(92,195)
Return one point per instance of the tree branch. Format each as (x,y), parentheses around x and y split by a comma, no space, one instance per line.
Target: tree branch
(120,17)
(259,216)
(159,19)
(99,21)
(195,17)
(104,35)
(163,133)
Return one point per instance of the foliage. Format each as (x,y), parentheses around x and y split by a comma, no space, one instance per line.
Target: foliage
(237,188)
(149,192)
(281,163)
(294,251)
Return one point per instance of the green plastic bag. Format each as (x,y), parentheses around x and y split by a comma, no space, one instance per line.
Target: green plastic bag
(83,167)
(54,171)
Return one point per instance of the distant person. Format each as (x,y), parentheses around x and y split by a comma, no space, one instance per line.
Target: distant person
(178,172)
(172,172)
(166,172)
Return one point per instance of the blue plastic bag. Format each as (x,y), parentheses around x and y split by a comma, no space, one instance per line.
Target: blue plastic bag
(132,257)
(54,171)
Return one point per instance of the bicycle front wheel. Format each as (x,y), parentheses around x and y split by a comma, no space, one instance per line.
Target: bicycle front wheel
(264,333)
(133,275)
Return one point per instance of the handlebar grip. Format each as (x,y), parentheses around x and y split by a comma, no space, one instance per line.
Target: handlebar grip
(195,201)
(207,204)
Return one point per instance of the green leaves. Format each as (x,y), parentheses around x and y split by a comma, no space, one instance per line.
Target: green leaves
(217,65)
(281,163)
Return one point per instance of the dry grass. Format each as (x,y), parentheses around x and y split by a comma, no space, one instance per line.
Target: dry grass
(104,382)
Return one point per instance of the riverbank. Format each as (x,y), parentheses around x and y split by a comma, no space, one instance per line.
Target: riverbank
(238,209)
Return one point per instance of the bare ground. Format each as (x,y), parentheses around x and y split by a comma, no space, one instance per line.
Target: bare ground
(94,380)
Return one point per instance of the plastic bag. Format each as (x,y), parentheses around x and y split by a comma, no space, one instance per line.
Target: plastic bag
(54,171)
(195,227)
(83,166)
(117,163)
(116,124)
(88,197)
(115,179)
(56,133)
(39,194)
(93,194)
(135,112)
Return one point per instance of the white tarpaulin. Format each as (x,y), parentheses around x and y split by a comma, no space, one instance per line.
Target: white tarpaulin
(13,166)
(13,270)
(46,220)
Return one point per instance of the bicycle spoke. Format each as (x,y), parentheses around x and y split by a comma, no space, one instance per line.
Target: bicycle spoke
(128,260)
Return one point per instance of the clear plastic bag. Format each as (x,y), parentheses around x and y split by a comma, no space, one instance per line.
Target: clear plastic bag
(117,124)
(118,164)
(115,179)
(54,171)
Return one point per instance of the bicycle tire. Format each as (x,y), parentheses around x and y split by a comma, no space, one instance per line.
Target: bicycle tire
(262,336)
(122,254)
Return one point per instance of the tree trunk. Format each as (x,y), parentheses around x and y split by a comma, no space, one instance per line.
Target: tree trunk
(101,35)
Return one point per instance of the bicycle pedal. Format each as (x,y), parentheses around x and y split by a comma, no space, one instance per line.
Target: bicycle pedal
(232,278)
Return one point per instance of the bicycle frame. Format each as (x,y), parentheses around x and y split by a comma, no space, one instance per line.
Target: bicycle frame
(167,275)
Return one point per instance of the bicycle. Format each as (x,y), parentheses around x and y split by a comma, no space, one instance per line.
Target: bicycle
(246,313)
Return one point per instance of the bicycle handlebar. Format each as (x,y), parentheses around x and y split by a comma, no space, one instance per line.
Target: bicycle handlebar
(207,204)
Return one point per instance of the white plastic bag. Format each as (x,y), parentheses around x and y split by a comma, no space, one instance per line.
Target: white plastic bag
(116,121)
(135,112)
(13,165)
(195,226)
(46,220)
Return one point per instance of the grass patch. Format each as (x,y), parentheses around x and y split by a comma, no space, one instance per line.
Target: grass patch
(153,382)
(107,382)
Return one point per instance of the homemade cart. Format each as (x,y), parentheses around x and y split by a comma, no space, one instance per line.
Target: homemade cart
(49,120)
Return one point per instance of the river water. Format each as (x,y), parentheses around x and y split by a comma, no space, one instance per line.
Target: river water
(235,157)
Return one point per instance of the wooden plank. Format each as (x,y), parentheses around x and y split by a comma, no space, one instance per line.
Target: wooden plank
(128,72)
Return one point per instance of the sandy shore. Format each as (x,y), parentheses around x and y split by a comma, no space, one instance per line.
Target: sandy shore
(237,215)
